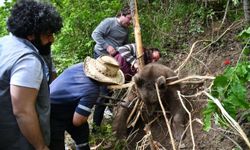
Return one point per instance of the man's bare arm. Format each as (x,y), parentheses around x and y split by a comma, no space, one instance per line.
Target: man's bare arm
(79,119)
(24,108)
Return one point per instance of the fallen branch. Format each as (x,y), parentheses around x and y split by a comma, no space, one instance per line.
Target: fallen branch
(189,55)
(151,141)
(202,64)
(190,119)
(123,86)
(216,130)
(131,135)
(97,146)
(143,142)
(229,28)
(231,121)
(191,77)
(136,117)
(165,117)
(225,15)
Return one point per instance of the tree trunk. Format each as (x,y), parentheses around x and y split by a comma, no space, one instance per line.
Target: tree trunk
(246,7)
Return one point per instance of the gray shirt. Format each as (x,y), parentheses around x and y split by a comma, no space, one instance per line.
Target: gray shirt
(109,32)
(21,65)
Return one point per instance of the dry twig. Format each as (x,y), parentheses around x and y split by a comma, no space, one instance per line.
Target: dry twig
(231,121)
(140,105)
(229,28)
(165,117)
(190,118)
(191,77)
(189,55)
(225,14)
(151,141)
(97,146)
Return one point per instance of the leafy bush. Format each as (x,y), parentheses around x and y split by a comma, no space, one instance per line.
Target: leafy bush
(74,42)
(4,13)
(231,89)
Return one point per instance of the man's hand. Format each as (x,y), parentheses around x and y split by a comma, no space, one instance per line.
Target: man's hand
(111,50)
(136,66)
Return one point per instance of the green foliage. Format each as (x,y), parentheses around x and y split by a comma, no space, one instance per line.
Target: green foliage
(198,18)
(235,2)
(158,20)
(244,36)
(231,89)
(4,13)
(80,18)
(105,135)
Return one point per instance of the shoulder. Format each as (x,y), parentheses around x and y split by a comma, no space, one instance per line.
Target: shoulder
(109,20)
(27,72)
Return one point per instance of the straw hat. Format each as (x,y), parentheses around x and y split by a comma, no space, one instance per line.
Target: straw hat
(104,69)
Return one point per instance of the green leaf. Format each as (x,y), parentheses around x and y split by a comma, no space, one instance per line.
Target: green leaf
(246,51)
(241,70)
(220,81)
(207,122)
(245,34)
(248,77)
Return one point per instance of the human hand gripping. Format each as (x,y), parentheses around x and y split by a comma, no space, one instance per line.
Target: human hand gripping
(111,50)
(136,66)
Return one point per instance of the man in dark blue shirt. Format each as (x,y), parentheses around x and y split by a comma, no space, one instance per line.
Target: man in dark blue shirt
(74,93)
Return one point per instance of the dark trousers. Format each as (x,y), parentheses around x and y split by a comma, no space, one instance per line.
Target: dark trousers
(100,107)
(61,121)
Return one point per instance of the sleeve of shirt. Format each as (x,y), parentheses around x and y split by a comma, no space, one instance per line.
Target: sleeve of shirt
(126,52)
(126,41)
(87,102)
(27,72)
(100,31)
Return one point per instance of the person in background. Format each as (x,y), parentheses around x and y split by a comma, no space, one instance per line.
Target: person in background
(24,93)
(112,32)
(74,93)
(127,59)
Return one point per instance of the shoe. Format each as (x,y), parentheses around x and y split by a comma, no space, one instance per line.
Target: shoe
(107,113)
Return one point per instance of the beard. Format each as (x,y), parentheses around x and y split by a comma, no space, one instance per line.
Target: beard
(42,49)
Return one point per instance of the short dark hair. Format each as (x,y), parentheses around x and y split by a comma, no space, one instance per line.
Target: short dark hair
(29,17)
(148,54)
(124,12)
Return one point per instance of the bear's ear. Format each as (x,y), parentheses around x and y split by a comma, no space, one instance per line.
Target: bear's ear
(161,82)
(138,80)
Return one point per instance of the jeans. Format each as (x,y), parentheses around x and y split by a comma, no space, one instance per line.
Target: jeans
(61,121)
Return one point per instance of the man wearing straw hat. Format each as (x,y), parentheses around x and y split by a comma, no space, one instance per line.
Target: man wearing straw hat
(74,93)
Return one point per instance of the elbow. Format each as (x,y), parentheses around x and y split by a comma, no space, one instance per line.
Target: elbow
(19,113)
(78,119)
(76,122)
